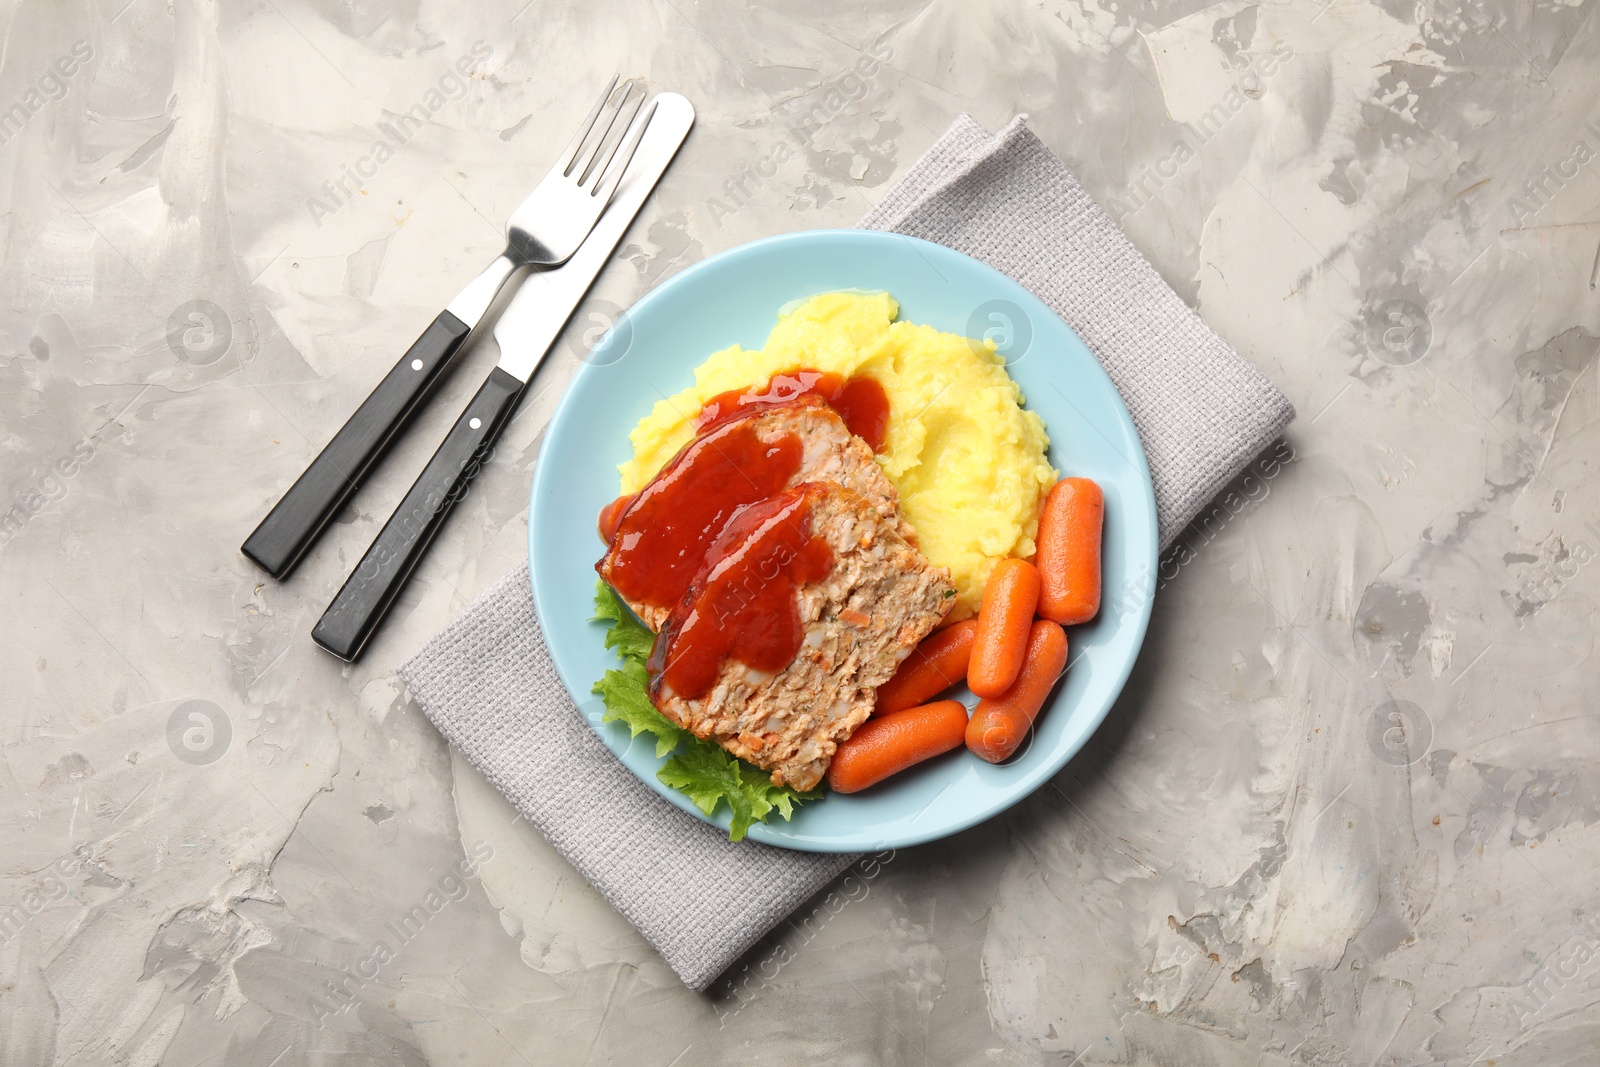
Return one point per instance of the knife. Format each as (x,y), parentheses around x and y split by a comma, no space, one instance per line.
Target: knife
(543,232)
(525,332)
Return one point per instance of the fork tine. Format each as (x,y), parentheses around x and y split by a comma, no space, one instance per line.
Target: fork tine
(611,177)
(592,166)
(604,154)
(571,154)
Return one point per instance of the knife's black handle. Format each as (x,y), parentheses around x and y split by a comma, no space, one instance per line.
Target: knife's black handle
(293,525)
(355,613)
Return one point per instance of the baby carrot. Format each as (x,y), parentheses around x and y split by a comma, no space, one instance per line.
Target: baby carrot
(1069,551)
(933,666)
(890,743)
(999,724)
(1009,598)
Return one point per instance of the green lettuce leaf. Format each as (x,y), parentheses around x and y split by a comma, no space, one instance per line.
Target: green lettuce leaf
(708,773)
(627,701)
(702,770)
(631,638)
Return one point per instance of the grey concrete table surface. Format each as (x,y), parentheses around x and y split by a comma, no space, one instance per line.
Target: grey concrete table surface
(1344,813)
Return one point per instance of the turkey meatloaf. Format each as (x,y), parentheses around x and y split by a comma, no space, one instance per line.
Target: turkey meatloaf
(877,599)
(827,452)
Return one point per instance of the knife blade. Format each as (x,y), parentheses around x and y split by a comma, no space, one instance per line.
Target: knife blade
(525,332)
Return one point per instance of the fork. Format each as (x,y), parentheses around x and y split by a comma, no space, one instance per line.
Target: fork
(544,231)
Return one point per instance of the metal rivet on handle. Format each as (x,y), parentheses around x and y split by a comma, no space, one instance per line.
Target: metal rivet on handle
(475,423)
(416,364)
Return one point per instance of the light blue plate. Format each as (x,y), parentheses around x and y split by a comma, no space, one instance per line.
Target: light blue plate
(734,297)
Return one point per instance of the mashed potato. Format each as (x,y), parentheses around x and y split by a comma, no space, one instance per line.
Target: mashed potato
(968,461)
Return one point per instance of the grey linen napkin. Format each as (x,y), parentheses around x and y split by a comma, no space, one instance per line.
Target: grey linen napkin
(487,681)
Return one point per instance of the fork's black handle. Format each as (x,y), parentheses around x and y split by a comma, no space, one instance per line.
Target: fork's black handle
(294,523)
(355,613)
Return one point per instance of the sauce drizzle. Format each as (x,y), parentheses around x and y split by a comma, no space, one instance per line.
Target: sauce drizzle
(861,402)
(659,541)
(717,539)
(611,515)
(742,605)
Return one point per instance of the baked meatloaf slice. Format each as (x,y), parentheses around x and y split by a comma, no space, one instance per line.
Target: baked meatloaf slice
(663,533)
(826,570)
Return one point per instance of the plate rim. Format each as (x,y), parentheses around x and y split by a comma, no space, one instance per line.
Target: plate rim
(769,834)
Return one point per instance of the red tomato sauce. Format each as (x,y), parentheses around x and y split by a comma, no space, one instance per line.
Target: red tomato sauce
(611,515)
(660,540)
(718,539)
(742,605)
